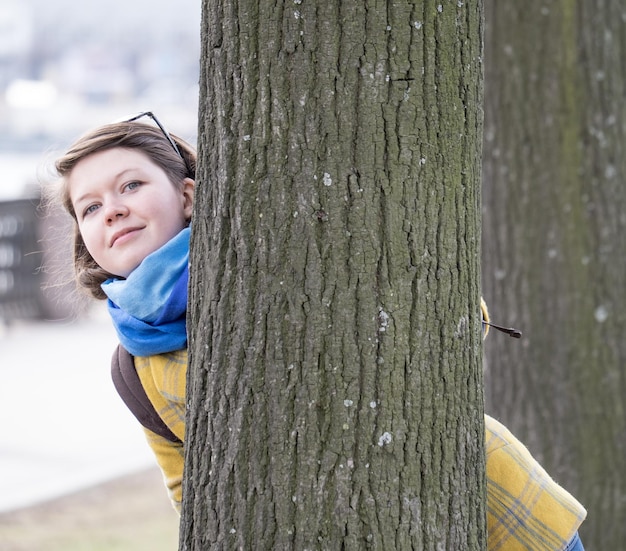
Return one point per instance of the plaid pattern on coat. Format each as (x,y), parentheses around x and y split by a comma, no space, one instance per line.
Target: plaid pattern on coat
(526,509)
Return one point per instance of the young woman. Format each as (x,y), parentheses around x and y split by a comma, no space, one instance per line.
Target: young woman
(129,187)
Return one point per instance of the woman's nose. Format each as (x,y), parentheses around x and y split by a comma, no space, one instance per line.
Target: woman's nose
(114,211)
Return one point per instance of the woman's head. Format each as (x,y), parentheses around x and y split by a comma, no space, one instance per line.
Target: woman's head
(122,177)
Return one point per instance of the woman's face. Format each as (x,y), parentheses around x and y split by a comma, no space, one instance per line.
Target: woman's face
(126,207)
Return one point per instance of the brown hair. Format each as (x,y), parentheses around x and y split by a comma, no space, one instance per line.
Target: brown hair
(151,141)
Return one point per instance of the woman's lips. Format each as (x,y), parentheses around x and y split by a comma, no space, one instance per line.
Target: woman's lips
(123,235)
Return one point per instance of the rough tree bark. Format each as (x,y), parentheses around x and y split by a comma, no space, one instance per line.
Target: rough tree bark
(554,243)
(335,383)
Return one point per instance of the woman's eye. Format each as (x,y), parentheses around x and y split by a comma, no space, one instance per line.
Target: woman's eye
(132,185)
(90,209)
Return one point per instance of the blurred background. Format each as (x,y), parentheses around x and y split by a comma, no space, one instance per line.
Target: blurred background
(66,67)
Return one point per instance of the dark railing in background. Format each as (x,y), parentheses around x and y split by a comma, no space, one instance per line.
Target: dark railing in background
(35,264)
(21,259)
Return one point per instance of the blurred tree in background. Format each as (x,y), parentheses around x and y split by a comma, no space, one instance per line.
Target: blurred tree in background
(554,243)
(335,386)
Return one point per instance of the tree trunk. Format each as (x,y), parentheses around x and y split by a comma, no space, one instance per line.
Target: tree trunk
(335,383)
(554,243)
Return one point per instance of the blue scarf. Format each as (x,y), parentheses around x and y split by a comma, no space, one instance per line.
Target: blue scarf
(149,307)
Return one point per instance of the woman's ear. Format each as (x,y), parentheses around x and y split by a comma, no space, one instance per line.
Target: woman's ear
(188,190)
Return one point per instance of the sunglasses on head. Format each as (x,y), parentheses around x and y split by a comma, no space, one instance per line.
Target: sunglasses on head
(152,116)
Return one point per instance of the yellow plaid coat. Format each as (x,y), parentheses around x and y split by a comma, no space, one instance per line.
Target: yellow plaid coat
(526,509)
